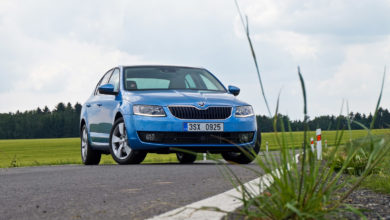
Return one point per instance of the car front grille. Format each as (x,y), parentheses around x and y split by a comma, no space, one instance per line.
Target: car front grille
(190,112)
(196,137)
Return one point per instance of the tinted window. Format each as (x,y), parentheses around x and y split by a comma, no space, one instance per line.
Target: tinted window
(106,77)
(114,80)
(103,81)
(142,78)
(146,83)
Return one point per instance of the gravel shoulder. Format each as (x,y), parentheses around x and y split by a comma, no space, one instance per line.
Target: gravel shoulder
(376,205)
(372,204)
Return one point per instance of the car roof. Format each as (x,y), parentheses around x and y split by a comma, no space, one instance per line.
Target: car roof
(124,66)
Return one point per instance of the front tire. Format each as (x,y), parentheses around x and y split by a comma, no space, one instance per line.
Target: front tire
(244,157)
(88,155)
(185,158)
(120,149)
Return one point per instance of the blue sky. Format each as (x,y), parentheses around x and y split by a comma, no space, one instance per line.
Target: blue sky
(57,51)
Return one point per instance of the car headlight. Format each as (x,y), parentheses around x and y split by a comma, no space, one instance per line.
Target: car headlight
(149,110)
(244,111)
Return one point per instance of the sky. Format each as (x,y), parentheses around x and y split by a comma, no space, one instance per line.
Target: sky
(56,51)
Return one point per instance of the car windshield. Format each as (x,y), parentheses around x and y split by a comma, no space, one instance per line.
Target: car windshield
(170,78)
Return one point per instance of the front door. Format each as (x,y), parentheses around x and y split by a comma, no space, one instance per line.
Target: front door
(97,127)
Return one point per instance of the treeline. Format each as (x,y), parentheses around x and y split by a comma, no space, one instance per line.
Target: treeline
(328,122)
(63,121)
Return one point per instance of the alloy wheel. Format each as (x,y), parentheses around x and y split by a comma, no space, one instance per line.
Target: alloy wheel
(119,143)
(84,144)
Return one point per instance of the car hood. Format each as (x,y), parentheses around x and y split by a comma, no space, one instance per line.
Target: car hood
(181,97)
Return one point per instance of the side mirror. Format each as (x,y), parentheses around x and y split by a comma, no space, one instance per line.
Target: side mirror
(234,90)
(107,89)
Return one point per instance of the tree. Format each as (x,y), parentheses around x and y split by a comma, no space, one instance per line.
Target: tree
(46,110)
(60,107)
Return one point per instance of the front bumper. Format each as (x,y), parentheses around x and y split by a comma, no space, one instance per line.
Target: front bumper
(137,125)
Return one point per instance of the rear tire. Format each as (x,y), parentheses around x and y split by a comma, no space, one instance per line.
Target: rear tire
(120,148)
(244,157)
(186,158)
(88,155)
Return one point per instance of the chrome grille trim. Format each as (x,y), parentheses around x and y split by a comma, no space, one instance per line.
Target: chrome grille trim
(209,113)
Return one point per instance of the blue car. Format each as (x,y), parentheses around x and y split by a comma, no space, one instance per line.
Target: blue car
(135,110)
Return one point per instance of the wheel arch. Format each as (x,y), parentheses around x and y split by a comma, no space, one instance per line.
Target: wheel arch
(82,123)
(118,115)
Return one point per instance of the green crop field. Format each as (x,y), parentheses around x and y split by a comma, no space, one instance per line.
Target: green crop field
(295,138)
(36,152)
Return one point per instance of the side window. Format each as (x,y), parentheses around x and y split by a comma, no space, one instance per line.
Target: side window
(103,81)
(189,82)
(114,80)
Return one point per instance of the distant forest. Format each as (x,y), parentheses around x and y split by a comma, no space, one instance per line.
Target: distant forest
(327,122)
(63,121)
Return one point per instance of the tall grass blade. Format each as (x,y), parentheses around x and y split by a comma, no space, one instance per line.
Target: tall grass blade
(305,125)
(246,29)
(379,100)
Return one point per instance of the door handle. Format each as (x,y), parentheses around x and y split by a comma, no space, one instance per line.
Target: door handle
(99,104)
(88,105)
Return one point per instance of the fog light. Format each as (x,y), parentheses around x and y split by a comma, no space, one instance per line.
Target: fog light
(150,137)
(244,137)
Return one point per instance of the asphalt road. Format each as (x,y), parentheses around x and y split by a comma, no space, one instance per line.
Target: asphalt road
(108,191)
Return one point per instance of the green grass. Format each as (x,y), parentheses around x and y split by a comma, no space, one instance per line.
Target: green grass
(380,182)
(36,152)
(330,136)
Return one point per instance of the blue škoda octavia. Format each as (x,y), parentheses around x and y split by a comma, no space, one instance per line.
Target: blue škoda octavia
(135,110)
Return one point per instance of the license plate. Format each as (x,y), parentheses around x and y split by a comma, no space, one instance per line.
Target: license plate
(203,126)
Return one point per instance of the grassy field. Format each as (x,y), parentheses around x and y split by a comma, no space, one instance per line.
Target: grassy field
(295,138)
(37,152)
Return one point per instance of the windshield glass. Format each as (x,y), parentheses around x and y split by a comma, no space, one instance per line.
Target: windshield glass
(149,78)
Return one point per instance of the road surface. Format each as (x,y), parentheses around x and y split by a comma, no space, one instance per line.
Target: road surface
(109,191)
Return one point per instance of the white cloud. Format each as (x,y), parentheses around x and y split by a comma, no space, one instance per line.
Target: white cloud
(341,47)
(298,46)
(42,64)
(52,52)
(68,71)
(61,68)
(359,77)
